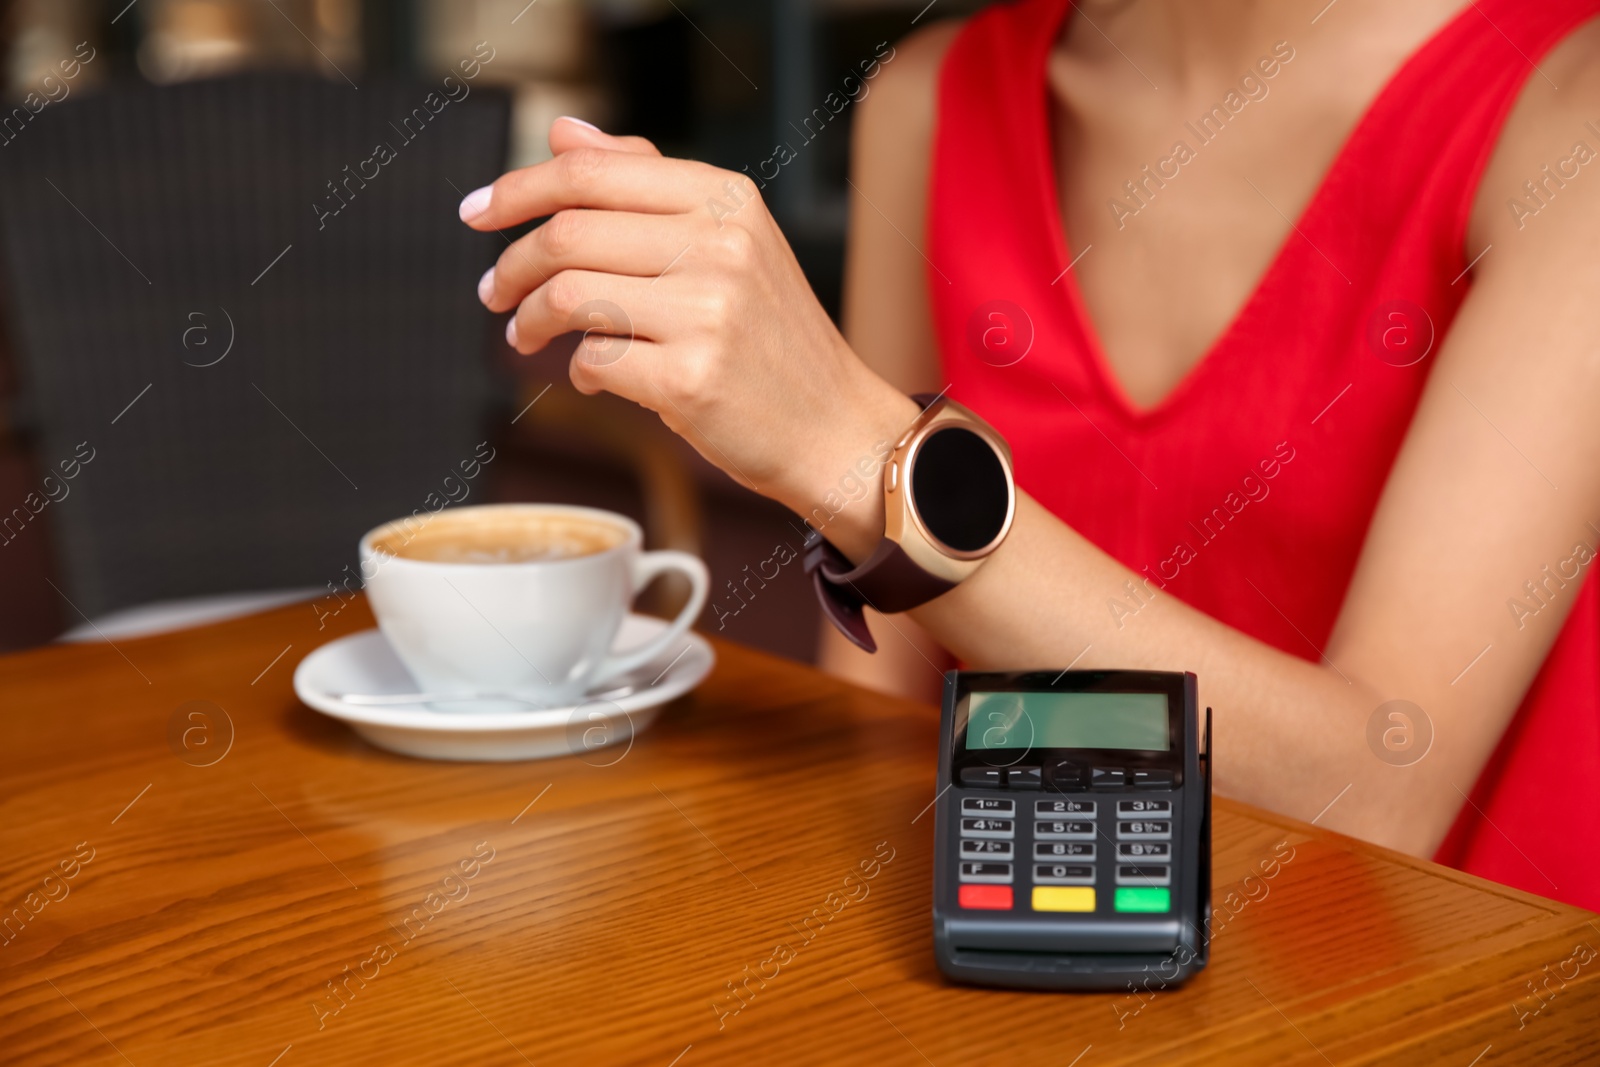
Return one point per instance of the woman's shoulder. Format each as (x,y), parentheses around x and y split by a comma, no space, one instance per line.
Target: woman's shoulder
(907,90)
(1551,139)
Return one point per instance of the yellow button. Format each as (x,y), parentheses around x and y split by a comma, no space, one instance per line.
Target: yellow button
(1063,898)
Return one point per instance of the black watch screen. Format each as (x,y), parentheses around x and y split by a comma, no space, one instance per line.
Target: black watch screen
(959,489)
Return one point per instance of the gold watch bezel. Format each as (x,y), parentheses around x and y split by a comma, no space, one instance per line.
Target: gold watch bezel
(904,526)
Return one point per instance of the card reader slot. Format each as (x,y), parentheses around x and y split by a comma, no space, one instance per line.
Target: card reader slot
(1064,932)
(1048,970)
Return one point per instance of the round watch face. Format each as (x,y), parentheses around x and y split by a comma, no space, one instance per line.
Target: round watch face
(959,489)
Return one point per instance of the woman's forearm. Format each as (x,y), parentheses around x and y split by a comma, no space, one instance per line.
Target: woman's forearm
(1291,734)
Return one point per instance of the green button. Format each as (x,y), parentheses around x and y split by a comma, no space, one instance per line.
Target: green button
(1131,898)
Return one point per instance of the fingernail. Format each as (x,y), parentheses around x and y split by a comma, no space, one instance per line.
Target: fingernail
(580,122)
(511,332)
(476,203)
(486,286)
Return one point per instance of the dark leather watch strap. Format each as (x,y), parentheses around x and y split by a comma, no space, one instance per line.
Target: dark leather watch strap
(887,581)
(841,605)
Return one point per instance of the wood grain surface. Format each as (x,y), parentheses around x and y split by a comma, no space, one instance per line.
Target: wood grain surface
(307,899)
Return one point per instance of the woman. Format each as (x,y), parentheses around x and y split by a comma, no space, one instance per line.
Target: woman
(1326,464)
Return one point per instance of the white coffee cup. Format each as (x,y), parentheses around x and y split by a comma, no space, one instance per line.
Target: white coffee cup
(467,610)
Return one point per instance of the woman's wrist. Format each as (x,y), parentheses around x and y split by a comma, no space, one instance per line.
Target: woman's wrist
(841,495)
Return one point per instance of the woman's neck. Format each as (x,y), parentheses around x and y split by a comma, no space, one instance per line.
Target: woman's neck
(1177,42)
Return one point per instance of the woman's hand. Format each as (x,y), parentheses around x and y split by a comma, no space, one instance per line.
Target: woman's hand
(691,304)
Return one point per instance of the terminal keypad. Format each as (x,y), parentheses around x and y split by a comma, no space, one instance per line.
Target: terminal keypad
(1037,844)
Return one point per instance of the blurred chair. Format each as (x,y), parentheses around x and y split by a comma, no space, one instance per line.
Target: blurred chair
(260,326)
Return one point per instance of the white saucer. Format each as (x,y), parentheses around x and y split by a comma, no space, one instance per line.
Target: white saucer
(599,731)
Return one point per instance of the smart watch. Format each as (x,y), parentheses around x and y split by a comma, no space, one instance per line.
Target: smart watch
(948,501)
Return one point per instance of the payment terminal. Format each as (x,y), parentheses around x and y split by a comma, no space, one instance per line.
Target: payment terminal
(1072,829)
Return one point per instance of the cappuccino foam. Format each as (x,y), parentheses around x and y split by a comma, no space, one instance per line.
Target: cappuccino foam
(499,537)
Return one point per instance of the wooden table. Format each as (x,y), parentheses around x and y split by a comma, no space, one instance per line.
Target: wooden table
(627,913)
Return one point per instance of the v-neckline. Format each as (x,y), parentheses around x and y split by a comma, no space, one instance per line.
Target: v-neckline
(1089,336)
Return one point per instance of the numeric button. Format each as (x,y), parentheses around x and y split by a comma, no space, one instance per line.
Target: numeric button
(1063,850)
(986,827)
(1063,831)
(1063,874)
(1160,851)
(1046,809)
(1133,809)
(988,806)
(984,849)
(1145,830)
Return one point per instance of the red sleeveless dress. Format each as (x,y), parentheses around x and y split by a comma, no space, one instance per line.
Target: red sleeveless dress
(1248,490)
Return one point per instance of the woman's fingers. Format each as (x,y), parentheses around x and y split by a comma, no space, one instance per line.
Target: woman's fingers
(605,178)
(620,365)
(614,242)
(600,304)
(567,133)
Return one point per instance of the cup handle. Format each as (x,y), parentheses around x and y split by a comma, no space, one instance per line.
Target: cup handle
(646,566)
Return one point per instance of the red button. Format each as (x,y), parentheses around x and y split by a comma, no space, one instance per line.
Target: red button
(988,897)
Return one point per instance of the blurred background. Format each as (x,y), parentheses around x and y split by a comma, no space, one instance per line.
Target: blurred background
(239,315)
